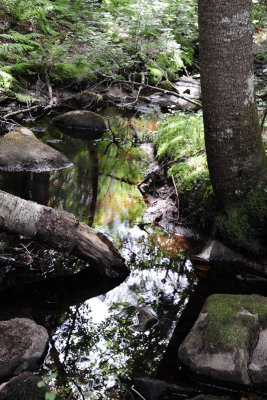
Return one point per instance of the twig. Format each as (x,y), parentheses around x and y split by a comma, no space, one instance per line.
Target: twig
(177,196)
(78,387)
(263,119)
(49,88)
(115,140)
(123,180)
(137,98)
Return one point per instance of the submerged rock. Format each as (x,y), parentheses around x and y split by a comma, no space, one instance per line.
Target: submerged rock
(228,341)
(81,124)
(216,252)
(146,320)
(24,387)
(20,150)
(22,346)
(154,389)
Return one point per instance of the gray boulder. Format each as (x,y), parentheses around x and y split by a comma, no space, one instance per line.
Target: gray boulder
(22,346)
(228,341)
(80,123)
(20,150)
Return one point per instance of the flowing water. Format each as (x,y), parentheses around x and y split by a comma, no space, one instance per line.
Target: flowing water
(98,344)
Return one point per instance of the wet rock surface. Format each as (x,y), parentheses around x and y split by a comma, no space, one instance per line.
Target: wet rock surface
(81,123)
(22,346)
(228,341)
(24,387)
(20,150)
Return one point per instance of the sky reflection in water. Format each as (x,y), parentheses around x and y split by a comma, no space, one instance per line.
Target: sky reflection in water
(94,352)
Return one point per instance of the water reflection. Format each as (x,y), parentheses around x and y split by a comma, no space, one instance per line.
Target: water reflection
(94,351)
(94,344)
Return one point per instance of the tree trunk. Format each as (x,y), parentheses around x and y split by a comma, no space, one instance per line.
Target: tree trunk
(235,152)
(62,231)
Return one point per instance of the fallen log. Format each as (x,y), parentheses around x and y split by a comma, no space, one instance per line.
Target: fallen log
(62,231)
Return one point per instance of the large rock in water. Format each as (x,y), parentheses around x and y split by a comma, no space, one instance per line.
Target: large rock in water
(20,150)
(81,123)
(24,387)
(228,342)
(22,346)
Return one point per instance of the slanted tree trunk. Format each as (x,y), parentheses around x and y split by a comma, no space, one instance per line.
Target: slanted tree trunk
(61,231)
(235,152)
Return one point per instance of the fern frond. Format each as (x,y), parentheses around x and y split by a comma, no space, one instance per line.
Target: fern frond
(24,98)
(18,47)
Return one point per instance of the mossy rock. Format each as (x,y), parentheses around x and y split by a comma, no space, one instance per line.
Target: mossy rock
(225,338)
(166,85)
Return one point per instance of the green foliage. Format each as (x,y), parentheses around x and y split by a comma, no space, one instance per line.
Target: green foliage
(180,142)
(51,395)
(259,14)
(113,37)
(153,40)
(24,98)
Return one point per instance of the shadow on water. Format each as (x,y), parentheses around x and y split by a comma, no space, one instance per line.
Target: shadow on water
(94,350)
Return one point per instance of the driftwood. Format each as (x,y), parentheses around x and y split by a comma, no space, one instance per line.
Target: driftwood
(61,231)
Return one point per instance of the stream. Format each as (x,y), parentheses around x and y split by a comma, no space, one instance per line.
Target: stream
(98,344)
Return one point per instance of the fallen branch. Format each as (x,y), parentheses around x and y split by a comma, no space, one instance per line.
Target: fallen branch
(62,231)
(22,110)
(155,88)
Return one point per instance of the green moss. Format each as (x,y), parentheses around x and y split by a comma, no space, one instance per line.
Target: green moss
(166,85)
(62,72)
(6,81)
(244,223)
(155,75)
(230,321)
(179,134)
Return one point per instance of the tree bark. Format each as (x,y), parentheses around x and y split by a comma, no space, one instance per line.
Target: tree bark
(235,152)
(61,231)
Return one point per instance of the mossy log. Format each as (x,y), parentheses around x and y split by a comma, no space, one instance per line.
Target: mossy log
(61,231)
